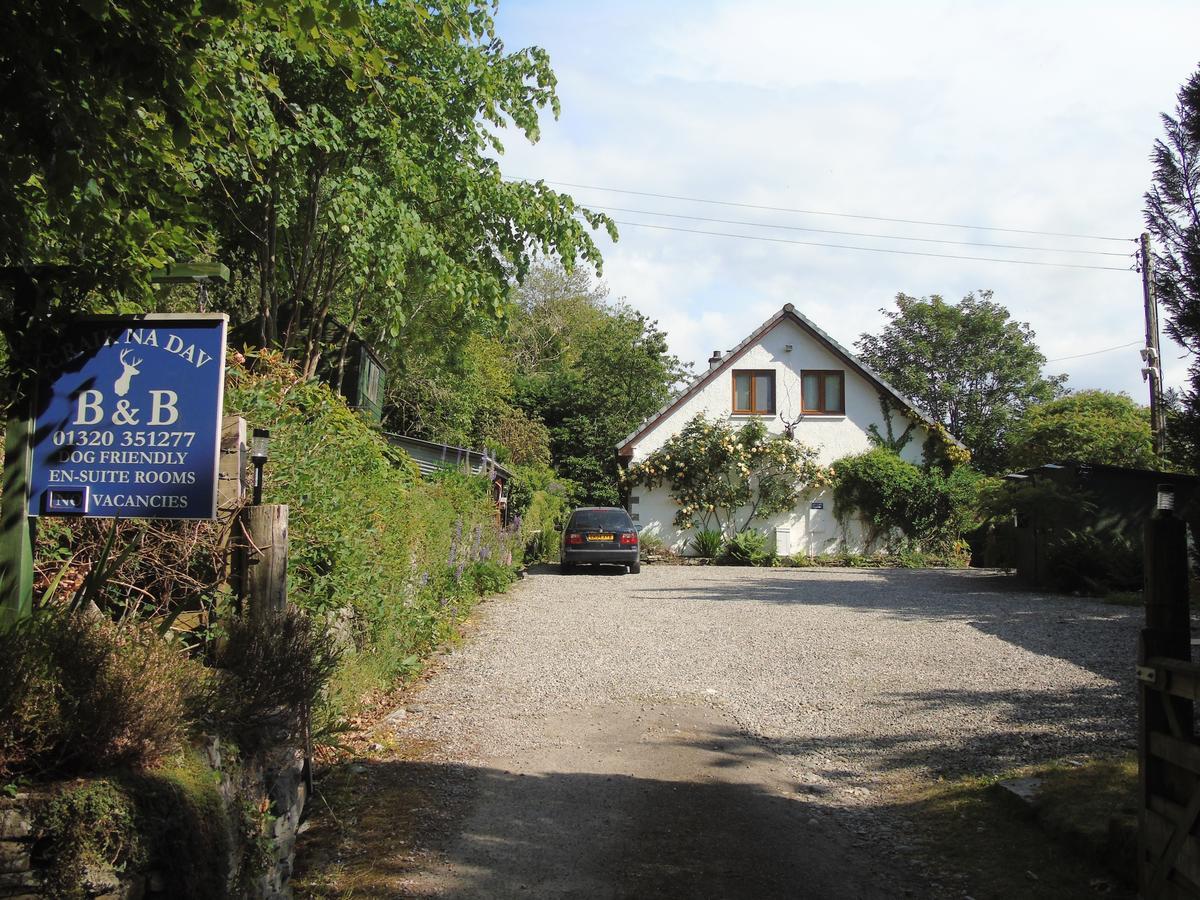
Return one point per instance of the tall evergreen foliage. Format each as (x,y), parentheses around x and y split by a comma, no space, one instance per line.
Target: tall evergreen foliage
(1172,215)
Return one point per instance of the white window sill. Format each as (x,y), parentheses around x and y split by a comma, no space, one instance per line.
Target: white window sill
(807,416)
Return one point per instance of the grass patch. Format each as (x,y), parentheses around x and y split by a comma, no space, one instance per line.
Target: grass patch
(1077,840)
(1094,807)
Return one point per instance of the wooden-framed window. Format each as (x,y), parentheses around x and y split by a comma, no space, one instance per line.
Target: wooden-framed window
(753,392)
(823,391)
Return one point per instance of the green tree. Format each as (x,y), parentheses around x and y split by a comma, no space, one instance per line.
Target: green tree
(1088,426)
(1172,215)
(382,204)
(110,109)
(592,371)
(465,396)
(967,364)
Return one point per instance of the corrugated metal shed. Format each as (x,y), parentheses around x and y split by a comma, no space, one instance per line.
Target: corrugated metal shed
(430,456)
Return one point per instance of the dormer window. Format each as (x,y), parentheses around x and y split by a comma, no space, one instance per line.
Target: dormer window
(823,392)
(754,392)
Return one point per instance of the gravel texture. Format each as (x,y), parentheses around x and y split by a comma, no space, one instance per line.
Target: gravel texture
(854,678)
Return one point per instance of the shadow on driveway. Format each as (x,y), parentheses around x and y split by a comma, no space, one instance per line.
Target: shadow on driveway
(1095,636)
(486,832)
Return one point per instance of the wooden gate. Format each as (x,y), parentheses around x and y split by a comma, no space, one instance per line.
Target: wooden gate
(1168,751)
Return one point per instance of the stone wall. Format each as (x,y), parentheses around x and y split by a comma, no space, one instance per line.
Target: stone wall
(274,781)
(16,846)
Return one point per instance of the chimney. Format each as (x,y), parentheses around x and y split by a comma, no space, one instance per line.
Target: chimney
(714,360)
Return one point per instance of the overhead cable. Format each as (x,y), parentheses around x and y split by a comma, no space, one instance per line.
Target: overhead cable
(814,212)
(1095,352)
(890,237)
(772,240)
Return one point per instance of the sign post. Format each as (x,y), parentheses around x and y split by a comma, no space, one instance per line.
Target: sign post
(16,536)
(128,422)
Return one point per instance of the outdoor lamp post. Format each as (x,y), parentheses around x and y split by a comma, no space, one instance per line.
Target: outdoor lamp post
(258,455)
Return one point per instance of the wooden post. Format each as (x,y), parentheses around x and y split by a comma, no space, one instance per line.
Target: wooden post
(1168,611)
(1151,353)
(1167,634)
(263,559)
(232,475)
(16,527)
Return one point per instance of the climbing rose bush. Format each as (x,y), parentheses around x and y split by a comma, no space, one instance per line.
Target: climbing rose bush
(725,478)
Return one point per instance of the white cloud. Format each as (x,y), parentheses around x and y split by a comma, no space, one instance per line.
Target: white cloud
(1037,116)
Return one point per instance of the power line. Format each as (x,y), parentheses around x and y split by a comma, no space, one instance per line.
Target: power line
(1095,352)
(890,237)
(754,237)
(814,212)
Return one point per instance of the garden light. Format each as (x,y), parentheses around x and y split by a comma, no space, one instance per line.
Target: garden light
(258,455)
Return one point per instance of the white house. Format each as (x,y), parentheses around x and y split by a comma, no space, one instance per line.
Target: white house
(789,373)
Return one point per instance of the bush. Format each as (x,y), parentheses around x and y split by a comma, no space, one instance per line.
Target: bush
(719,475)
(408,558)
(956,558)
(540,503)
(652,544)
(366,533)
(488,577)
(154,569)
(708,543)
(929,508)
(748,548)
(269,672)
(80,693)
(1096,564)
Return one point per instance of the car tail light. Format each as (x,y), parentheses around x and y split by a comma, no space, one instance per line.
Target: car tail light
(629,537)
(574,537)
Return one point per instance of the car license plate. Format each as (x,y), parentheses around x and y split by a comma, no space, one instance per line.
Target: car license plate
(600,537)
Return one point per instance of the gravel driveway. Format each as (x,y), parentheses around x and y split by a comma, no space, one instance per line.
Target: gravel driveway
(852,676)
(725,732)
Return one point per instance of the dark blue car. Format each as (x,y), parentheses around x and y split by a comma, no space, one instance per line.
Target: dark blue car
(600,535)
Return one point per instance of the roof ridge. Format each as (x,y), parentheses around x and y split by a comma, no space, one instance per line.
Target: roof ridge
(907,406)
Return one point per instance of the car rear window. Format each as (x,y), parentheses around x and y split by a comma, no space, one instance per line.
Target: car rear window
(603,519)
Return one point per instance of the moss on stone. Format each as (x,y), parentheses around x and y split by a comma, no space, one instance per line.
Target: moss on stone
(85,827)
(182,814)
(173,819)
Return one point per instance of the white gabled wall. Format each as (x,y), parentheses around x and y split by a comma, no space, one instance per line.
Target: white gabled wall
(812,531)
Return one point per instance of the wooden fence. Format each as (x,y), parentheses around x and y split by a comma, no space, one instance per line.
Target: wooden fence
(1168,751)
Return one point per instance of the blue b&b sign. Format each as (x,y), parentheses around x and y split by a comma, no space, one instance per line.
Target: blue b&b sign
(129,422)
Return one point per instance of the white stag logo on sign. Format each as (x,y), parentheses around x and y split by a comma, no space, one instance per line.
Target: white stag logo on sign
(129,369)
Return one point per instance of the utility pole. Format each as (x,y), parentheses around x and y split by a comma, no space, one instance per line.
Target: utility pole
(1152,371)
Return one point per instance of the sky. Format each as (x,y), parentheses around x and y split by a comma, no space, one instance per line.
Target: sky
(1028,116)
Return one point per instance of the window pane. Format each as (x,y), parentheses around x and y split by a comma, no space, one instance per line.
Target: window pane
(602,519)
(812,392)
(833,393)
(741,392)
(764,401)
